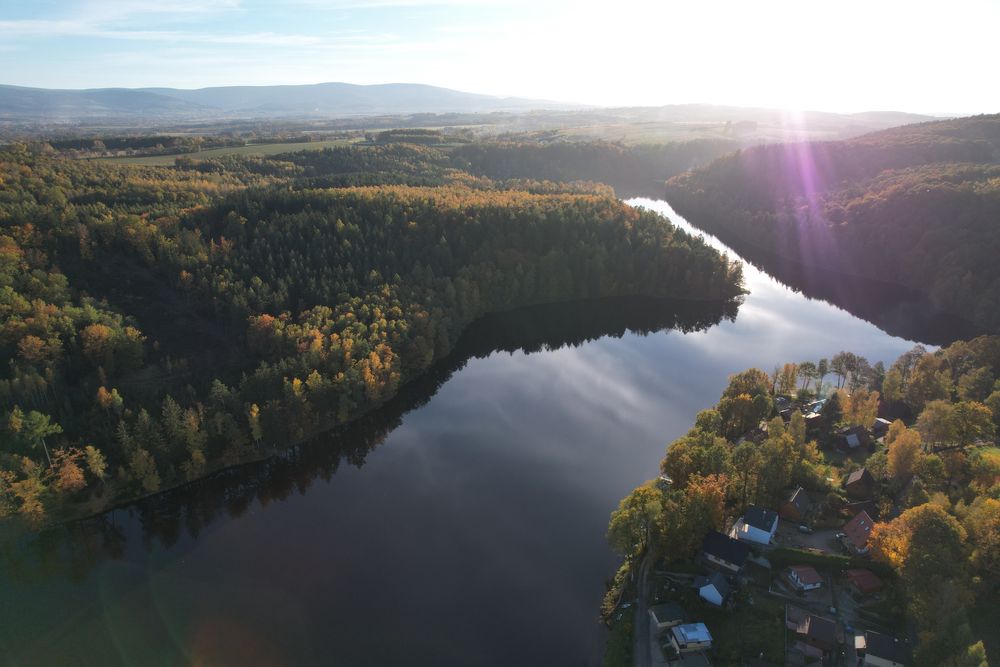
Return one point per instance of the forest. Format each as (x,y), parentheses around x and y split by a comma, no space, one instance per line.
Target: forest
(164,322)
(936,492)
(850,206)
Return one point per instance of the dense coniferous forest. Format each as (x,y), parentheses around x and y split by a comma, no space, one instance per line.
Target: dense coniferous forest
(916,205)
(631,170)
(162,322)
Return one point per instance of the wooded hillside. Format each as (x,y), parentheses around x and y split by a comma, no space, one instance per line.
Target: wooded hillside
(162,322)
(917,205)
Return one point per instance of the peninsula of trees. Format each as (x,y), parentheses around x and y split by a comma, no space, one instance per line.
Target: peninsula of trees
(916,205)
(162,322)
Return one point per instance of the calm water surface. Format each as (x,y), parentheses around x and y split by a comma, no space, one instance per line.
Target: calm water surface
(463,525)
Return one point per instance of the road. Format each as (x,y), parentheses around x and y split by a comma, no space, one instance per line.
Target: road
(640,645)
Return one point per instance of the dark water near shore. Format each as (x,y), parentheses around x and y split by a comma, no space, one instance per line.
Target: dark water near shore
(463,524)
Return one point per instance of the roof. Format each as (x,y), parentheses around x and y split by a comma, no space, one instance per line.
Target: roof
(760,518)
(818,628)
(692,633)
(800,499)
(852,440)
(865,581)
(725,548)
(667,611)
(859,528)
(806,574)
(862,505)
(889,648)
(860,475)
(816,406)
(714,579)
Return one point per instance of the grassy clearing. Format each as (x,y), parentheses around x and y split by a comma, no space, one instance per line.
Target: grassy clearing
(747,631)
(253,149)
(740,634)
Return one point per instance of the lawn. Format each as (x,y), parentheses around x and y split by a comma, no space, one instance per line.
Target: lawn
(747,631)
(253,149)
(743,633)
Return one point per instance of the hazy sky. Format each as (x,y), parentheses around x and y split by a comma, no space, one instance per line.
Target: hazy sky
(843,56)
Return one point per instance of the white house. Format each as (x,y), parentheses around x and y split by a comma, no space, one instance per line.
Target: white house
(880,650)
(713,589)
(757,525)
(690,637)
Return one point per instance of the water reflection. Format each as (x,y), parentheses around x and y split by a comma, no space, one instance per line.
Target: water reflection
(475,536)
(164,516)
(897,310)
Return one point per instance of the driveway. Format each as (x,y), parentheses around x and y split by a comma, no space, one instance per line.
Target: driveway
(788,535)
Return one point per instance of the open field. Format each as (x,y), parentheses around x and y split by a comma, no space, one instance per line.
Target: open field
(252,149)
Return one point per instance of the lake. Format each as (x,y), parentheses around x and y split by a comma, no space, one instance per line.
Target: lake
(463,524)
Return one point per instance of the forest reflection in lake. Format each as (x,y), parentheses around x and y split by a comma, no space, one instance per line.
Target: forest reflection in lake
(463,523)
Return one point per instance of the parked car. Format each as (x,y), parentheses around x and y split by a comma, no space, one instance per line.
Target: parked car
(803,528)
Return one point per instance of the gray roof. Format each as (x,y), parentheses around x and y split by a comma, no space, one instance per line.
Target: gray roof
(800,499)
(716,579)
(725,548)
(760,518)
(817,627)
(890,648)
(668,611)
(693,633)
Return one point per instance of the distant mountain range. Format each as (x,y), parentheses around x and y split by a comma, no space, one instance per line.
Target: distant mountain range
(322,100)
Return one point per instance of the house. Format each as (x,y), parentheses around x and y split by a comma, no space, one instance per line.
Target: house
(880,428)
(804,577)
(814,423)
(860,484)
(713,589)
(690,637)
(852,509)
(865,582)
(880,650)
(856,533)
(724,552)
(757,525)
(817,632)
(816,407)
(796,506)
(666,615)
(849,439)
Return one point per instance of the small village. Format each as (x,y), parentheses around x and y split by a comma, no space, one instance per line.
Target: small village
(795,578)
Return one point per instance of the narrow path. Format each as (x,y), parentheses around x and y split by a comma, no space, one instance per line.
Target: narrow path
(640,645)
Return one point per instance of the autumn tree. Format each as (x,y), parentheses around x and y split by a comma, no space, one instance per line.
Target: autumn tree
(68,472)
(860,408)
(635,524)
(976,385)
(786,378)
(745,402)
(982,521)
(929,381)
(926,545)
(807,373)
(903,454)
